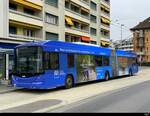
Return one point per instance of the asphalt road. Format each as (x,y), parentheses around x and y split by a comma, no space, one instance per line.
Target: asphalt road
(132,99)
(122,94)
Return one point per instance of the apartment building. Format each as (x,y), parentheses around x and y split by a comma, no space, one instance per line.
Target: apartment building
(141,40)
(65,20)
(22,21)
(78,21)
(126,44)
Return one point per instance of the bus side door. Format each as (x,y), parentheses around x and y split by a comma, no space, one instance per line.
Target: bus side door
(71,65)
(62,67)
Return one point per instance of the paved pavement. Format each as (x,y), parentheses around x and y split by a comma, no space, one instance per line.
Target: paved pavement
(6,89)
(27,98)
(133,99)
(31,107)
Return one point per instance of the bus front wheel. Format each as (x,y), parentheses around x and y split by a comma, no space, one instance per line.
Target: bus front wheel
(69,82)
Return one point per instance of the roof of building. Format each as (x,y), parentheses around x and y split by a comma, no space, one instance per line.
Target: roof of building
(142,25)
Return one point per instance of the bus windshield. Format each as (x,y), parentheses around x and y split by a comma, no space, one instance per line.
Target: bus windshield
(29,61)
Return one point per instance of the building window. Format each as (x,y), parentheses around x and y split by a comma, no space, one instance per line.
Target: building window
(70,60)
(52,2)
(51,36)
(72,38)
(29,11)
(85,13)
(93,42)
(93,18)
(51,19)
(12,6)
(12,30)
(67,4)
(29,32)
(75,8)
(93,31)
(104,32)
(93,6)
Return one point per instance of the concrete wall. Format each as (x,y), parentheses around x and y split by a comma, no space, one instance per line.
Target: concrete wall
(61,20)
(4,27)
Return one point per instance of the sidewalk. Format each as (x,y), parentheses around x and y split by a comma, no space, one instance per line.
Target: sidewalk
(6,88)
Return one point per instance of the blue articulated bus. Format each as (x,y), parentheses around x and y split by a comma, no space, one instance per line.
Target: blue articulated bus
(51,64)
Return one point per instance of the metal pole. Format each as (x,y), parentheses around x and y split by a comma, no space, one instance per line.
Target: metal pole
(121,33)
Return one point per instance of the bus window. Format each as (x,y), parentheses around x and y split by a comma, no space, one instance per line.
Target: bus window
(46,61)
(98,60)
(54,61)
(106,61)
(70,58)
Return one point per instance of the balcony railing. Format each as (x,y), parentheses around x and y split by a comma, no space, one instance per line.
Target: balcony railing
(105,37)
(24,37)
(25,14)
(83,16)
(108,3)
(87,3)
(78,29)
(107,14)
(141,53)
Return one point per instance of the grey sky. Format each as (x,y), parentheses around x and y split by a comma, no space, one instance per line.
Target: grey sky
(129,13)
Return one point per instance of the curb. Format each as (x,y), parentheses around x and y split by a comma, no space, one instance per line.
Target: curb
(7,91)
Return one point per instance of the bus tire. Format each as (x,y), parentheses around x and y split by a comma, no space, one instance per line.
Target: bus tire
(69,82)
(106,76)
(130,73)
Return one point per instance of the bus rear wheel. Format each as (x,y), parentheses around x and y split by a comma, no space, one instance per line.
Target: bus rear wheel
(69,82)
(106,76)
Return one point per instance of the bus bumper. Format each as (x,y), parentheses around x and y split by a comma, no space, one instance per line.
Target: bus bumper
(31,85)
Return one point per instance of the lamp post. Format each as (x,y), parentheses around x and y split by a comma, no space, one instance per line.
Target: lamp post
(121,33)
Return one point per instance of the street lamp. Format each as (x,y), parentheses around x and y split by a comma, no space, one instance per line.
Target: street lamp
(121,32)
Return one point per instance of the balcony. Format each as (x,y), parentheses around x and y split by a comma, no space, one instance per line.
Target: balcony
(87,2)
(77,16)
(77,31)
(25,18)
(34,4)
(104,14)
(25,14)
(105,27)
(141,53)
(83,3)
(105,38)
(76,11)
(105,3)
(37,2)
(23,37)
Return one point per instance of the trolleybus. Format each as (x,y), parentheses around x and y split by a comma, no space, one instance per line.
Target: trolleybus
(51,64)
